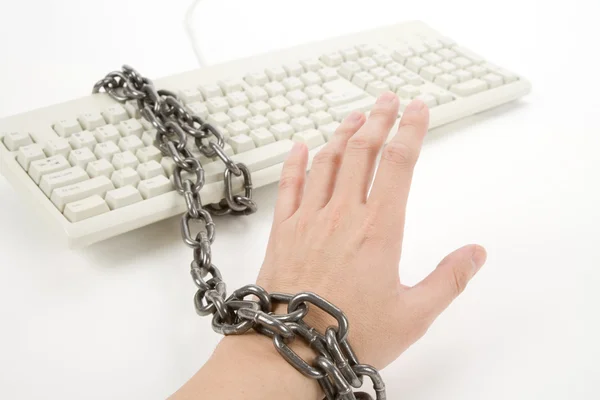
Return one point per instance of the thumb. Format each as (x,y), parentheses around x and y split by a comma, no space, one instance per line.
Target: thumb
(448,280)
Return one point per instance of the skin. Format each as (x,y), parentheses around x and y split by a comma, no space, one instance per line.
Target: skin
(332,236)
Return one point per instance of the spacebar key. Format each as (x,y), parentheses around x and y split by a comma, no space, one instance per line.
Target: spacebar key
(257,159)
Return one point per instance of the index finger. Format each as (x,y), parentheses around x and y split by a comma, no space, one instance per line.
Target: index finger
(392,182)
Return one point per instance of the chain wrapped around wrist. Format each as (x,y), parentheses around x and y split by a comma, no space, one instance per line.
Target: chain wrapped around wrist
(336,366)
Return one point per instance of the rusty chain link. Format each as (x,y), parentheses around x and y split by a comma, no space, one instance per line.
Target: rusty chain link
(336,366)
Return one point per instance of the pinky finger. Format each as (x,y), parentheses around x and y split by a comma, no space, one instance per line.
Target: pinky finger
(291,183)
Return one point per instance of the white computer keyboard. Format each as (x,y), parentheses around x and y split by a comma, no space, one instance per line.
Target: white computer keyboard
(90,166)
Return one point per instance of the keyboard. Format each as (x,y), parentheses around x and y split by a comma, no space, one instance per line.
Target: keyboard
(90,167)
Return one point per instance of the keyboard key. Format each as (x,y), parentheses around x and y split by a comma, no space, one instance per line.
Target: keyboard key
(395,82)
(82,139)
(447,42)
(441,95)
(278,116)
(321,118)
(408,91)
(367,63)
(239,113)
(362,79)
(29,153)
(302,124)
(262,137)
(258,121)
(125,159)
(366,50)
(468,54)
(447,54)
(132,109)
(236,99)
(416,63)
(279,103)
(256,159)
(294,69)
(446,66)
(131,143)
(219,119)
(86,208)
(39,168)
(188,96)
(66,127)
(429,99)
(256,79)
(100,167)
(446,80)
(462,75)
(310,64)
(81,157)
(14,140)
(314,92)
(198,109)
(91,120)
(477,70)
(123,196)
(108,133)
(433,44)
(62,178)
(506,75)
(230,85)
(148,137)
(376,88)
(315,105)
(241,143)
(146,124)
(350,54)
(106,150)
(348,69)
(311,138)
(238,128)
(395,68)
(380,73)
(493,80)
(282,131)
(259,108)
(257,93)
(276,73)
(127,176)
(469,87)
(296,111)
(332,59)
(432,58)
(401,55)
(217,104)
(149,153)
(115,114)
(155,186)
(275,88)
(210,90)
(342,111)
(430,72)
(297,97)
(131,127)
(339,98)
(311,78)
(328,74)
(58,146)
(81,190)
(382,59)
(418,48)
(149,169)
(329,130)
(412,78)
(292,83)
(461,62)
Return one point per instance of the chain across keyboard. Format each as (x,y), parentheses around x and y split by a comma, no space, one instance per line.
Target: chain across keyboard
(93,158)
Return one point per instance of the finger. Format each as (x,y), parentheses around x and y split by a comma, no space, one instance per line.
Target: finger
(358,164)
(291,183)
(394,175)
(325,165)
(434,293)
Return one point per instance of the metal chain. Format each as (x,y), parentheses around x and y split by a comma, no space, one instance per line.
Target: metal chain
(336,366)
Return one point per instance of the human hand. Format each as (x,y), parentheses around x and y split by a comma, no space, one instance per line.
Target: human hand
(332,236)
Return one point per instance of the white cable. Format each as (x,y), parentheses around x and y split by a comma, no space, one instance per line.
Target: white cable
(189,28)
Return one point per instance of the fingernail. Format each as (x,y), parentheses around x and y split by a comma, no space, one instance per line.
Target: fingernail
(355,116)
(478,258)
(415,107)
(387,97)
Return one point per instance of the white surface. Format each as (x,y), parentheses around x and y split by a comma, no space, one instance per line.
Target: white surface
(116,320)
(265,162)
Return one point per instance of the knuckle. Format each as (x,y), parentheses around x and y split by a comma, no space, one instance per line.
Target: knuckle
(333,218)
(290,182)
(399,154)
(327,156)
(361,143)
(460,278)
(382,112)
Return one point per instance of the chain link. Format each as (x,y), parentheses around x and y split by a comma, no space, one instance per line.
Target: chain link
(336,366)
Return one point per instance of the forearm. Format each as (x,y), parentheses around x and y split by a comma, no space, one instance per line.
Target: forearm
(248,367)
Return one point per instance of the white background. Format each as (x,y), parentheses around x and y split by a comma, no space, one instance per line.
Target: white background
(116,320)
